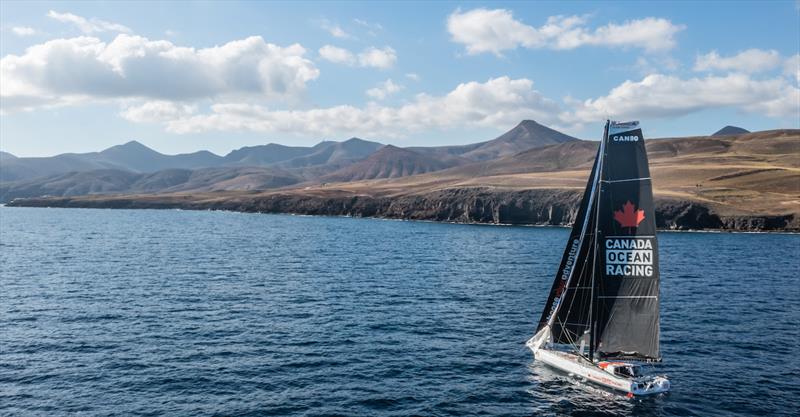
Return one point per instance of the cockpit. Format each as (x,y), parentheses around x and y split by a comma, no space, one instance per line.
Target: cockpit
(628,371)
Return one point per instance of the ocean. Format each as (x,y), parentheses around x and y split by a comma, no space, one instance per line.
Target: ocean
(187,313)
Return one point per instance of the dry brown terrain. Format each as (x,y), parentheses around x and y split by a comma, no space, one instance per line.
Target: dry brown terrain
(740,182)
(754,173)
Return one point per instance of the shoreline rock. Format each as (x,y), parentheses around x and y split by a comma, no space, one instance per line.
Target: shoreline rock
(541,207)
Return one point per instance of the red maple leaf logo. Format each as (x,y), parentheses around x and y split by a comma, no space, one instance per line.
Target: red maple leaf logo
(629,216)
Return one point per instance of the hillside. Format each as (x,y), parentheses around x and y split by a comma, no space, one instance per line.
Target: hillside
(131,156)
(754,173)
(742,182)
(388,162)
(334,154)
(135,157)
(526,135)
(264,154)
(730,130)
(104,181)
(309,163)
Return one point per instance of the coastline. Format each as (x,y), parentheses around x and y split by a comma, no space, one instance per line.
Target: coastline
(536,207)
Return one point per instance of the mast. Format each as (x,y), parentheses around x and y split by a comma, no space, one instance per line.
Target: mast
(599,179)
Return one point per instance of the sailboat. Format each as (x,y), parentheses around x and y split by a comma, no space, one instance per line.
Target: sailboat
(601,320)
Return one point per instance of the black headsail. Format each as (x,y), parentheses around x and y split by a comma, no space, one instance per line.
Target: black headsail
(626,307)
(570,296)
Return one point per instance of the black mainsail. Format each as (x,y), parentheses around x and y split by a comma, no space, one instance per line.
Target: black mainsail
(626,323)
(607,285)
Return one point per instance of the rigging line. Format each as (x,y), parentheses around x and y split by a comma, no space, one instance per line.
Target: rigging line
(628,296)
(565,331)
(584,226)
(626,180)
(572,301)
(579,269)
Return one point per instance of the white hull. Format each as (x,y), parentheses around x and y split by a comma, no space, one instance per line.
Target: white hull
(580,367)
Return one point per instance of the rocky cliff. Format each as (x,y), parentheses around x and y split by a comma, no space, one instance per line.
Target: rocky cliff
(464,205)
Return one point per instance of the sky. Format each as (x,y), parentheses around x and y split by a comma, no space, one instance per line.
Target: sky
(184,76)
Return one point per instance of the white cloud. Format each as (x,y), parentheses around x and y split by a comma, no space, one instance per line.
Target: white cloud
(384,90)
(157,111)
(658,96)
(371,28)
(749,61)
(368,25)
(136,67)
(334,29)
(371,57)
(378,58)
(499,102)
(88,26)
(791,67)
(482,30)
(338,32)
(23,31)
(337,55)
(413,76)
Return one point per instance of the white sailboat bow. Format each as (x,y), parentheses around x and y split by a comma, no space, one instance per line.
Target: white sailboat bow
(601,320)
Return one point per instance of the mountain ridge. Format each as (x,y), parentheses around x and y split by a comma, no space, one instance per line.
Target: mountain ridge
(388,162)
(747,181)
(730,130)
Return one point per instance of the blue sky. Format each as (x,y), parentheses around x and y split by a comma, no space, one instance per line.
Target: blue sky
(184,76)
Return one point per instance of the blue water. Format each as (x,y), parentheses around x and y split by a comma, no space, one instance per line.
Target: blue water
(118,312)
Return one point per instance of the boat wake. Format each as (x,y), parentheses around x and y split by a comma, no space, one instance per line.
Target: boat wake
(561,393)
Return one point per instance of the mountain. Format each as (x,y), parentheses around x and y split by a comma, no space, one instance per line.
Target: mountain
(263,155)
(734,175)
(737,177)
(334,154)
(577,154)
(131,156)
(234,178)
(69,184)
(25,168)
(742,182)
(747,182)
(730,130)
(115,181)
(306,162)
(6,156)
(526,135)
(388,162)
(139,158)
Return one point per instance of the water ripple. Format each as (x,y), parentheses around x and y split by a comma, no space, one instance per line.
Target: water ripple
(116,312)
